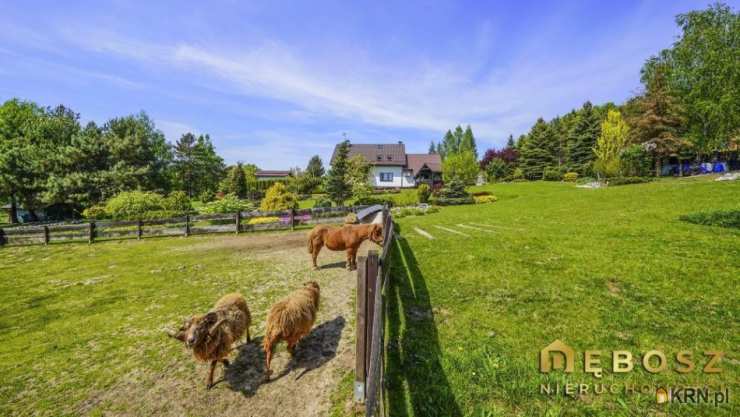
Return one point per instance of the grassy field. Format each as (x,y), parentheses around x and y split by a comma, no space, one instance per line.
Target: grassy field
(82,326)
(600,269)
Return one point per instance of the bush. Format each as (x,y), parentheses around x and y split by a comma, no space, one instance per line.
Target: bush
(517,175)
(279,198)
(570,176)
(497,169)
(423,193)
(635,161)
(263,220)
(629,180)
(323,202)
(413,211)
(721,218)
(350,218)
(95,212)
(160,214)
(406,198)
(132,205)
(381,199)
(453,193)
(482,199)
(230,203)
(552,174)
(452,201)
(177,202)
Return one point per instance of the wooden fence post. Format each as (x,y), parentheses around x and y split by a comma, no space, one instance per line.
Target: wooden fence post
(371,279)
(139,229)
(292,219)
(238,221)
(187,225)
(2,237)
(91,233)
(46,235)
(360,342)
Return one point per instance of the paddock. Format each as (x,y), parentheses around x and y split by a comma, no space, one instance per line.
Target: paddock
(83,327)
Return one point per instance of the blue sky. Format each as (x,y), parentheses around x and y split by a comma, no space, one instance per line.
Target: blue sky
(275,82)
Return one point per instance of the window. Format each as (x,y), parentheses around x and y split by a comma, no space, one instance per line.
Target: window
(390,158)
(380,157)
(386,177)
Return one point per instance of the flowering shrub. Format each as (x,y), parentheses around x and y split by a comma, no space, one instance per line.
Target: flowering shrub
(481,199)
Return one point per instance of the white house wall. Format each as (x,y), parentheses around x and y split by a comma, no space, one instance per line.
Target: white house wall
(401,179)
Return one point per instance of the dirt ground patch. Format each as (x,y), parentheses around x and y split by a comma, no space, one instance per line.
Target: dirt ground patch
(300,386)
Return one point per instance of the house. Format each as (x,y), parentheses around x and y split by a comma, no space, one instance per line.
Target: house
(392,167)
(263,175)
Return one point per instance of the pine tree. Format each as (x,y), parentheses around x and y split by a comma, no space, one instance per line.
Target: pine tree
(315,167)
(467,143)
(432,148)
(449,144)
(537,151)
(510,143)
(582,139)
(337,185)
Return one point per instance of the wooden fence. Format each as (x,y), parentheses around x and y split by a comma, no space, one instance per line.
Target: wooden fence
(187,225)
(372,275)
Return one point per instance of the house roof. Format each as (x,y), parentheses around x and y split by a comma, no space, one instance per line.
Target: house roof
(267,173)
(417,161)
(378,154)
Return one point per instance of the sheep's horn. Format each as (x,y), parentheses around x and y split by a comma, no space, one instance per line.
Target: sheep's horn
(215,326)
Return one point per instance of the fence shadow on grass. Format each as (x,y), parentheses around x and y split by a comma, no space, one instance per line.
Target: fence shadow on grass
(246,374)
(415,379)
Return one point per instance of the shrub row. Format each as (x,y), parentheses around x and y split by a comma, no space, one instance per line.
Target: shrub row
(628,180)
(722,218)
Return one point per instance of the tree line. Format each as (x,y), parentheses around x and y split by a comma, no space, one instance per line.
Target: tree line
(689,109)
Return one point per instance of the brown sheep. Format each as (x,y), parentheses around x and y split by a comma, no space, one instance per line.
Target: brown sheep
(212,335)
(290,319)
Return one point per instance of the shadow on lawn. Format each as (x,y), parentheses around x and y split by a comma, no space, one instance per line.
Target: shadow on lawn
(247,372)
(413,358)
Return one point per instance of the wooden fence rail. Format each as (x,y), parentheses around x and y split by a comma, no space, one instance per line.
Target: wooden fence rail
(246,221)
(372,275)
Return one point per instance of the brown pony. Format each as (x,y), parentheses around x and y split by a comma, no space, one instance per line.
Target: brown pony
(348,237)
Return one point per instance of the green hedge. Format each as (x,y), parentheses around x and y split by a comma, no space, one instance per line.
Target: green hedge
(722,218)
(629,180)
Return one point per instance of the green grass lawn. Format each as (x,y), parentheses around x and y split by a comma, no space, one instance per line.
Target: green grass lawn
(601,269)
(82,326)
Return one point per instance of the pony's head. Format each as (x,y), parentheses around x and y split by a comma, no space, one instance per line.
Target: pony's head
(376,233)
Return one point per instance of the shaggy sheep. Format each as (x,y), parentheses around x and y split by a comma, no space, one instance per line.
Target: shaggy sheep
(212,335)
(290,319)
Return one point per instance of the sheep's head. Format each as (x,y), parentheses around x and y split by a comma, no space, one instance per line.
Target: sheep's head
(312,284)
(198,329)
(376,234)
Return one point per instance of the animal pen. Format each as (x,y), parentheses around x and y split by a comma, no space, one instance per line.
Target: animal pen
(241,222)
(372,275)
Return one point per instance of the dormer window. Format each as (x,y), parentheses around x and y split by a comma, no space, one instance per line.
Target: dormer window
(380,157)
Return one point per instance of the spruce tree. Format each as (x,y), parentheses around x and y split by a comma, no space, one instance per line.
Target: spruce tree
(337,184)
(510,143)
(537,151)
(468,142)
(432,148)
(236,181)
(315,167)
(582,139)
